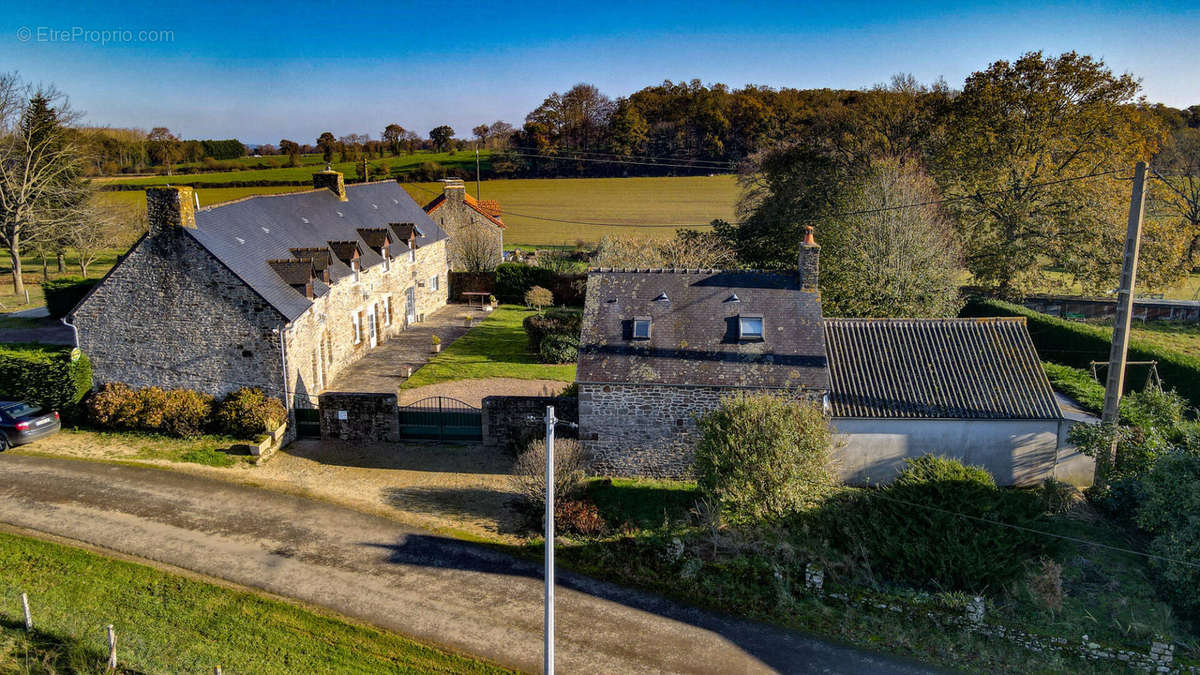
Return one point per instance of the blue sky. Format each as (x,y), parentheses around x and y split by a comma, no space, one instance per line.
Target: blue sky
(263,71)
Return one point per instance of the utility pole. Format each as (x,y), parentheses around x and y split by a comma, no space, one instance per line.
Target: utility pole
(477,171)
(1120,340)
(548,665)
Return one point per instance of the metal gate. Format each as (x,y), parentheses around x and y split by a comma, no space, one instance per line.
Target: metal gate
(441,418)
(308,422)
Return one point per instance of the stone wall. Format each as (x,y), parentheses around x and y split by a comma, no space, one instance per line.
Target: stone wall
(359,417)
(506,422)
(172,316)
(454,215)
(642,430)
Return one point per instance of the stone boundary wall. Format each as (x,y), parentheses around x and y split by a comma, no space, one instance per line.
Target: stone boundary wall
(506,422)
(349,416)
(1070,306)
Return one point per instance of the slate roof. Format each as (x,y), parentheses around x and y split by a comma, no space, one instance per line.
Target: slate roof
(294,272)
(245,234)
(694,331)
(936,368)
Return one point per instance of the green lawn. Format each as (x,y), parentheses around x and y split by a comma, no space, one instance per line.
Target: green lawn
(31,267)
(497,347)
(169,624)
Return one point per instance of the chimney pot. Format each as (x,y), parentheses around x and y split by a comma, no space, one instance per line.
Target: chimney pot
(808,266)
(332,180)
(169,207)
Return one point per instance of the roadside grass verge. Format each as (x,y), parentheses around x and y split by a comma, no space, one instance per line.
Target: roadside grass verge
(656,542)
(209,450)
(497,347)
(169,623)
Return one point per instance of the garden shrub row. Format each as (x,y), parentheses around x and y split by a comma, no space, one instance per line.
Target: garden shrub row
(1078,344)
(64,293)
(513,280)
(246,413)
(43,374)
(554,334)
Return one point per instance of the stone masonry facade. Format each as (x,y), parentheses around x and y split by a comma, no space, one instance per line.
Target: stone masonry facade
(643,430)
(172,315)
(454,213)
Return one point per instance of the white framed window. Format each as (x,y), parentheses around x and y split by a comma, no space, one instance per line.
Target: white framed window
(433,282)
(356,318)
(641,328)
(750,327)
(387,311)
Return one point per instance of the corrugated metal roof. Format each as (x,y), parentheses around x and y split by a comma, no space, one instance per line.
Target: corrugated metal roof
(936,368)
(245,234)
(694,336)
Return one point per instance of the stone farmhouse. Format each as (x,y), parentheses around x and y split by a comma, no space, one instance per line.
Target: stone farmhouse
(660,347)
(278,292)
(465,218)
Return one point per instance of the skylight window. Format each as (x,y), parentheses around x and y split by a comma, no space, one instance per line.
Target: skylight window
(641,328)
(750,327)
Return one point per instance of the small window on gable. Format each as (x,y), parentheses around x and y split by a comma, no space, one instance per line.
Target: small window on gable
(750,327)
(641,328)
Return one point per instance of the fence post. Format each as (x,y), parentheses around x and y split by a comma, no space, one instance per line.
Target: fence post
(112,648)
(28,616)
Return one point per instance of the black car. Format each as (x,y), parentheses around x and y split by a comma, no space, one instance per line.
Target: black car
(22,423)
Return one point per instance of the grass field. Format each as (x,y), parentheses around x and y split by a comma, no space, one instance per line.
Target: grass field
(645,207)
(495,348)
(462,160)
(32,271)
(169,624)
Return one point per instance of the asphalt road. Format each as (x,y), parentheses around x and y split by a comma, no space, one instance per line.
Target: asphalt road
(426,586)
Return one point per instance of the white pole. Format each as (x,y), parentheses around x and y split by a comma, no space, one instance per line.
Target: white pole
(112,648)
(548,667)
(28,616)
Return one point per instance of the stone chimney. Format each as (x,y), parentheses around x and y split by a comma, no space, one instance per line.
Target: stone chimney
(169,207)
(333,180)
(809,266)
(454,189)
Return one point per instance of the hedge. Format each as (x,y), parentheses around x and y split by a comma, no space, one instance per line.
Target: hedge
(64,293)
(44,375)
(1078,344)
(514,279)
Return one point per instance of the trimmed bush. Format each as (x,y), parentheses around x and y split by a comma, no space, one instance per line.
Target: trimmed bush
(557,321)
(64,293)
(763,456)
(114,406)
(1078,344)
(187,413)
(559,349)
(249,413)
(179,412)
(538,297)
(911,531)
(44,375)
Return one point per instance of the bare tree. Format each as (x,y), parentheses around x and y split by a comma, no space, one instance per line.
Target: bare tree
(474,248)
(99,229)
(41,188)
(688,249)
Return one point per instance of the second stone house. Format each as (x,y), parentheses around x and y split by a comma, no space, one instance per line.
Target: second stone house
(278,292)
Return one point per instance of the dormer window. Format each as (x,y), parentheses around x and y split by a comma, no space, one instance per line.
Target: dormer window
(641,328)
(750,327)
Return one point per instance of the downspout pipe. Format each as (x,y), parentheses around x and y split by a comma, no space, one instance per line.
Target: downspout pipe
(287,397)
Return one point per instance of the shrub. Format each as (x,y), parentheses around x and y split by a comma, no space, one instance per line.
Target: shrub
(580,517)
(64,293)
(44,375)
(514,279)
(114,406)
(529,472)
(151,406)
(538,297)
(1078,344)
(187,413)
(1169,512)
(556,321)
(929,527)
(762,456)
(249,413)
(559,349)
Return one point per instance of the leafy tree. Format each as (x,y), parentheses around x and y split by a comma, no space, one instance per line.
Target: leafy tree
(481,133)
(897,263)
(1176,199)
(292,150)
(628,130)
(392,135)
(440,136)
(763,456)
(327,143)
(538,297)
(1018,126)
(165,147)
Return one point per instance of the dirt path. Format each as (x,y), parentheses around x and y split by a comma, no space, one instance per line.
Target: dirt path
(432,588)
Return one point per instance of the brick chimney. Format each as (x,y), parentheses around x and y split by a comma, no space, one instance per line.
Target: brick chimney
(454,189)
(333,180)
(809,265)
(170,207)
